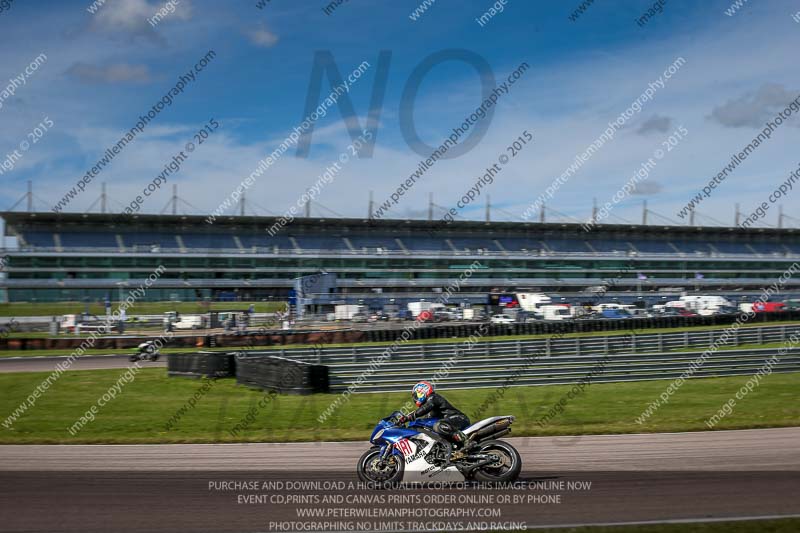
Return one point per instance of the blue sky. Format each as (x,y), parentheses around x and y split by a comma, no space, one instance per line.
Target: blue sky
(105,69)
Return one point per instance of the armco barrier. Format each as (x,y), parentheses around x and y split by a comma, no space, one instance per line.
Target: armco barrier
(556,360)
(201,364)
(546,361)
(552,345)
(473,372)
(266,371)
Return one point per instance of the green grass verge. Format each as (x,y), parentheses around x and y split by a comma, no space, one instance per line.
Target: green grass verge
(785,525)
(140,308)
(24,353)
(142,410)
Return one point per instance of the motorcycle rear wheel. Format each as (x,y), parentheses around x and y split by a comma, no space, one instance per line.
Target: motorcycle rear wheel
(505,470)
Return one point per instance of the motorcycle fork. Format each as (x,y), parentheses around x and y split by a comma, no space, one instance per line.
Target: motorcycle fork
(385,454)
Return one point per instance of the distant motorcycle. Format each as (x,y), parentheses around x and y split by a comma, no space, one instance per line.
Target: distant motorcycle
(418,454)
(146,351)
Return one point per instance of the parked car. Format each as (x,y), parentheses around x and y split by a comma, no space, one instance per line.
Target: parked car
(527,317)
(792,304)
(170,317)
(675,311)
(189,322)
(502,319)
(615,313)
(425,316)
(443,316)
(359,317)
(768,307)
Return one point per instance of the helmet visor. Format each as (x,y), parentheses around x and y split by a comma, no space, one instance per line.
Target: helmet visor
(420,393)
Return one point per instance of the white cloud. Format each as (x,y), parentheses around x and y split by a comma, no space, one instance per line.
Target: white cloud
(754,108)
(128,19)
(261,36)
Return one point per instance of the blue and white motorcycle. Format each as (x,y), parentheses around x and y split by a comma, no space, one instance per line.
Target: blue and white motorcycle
(417,454)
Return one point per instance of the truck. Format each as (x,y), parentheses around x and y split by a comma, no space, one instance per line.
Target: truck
(415,308)
(707,305)
(533,301)
(347,311)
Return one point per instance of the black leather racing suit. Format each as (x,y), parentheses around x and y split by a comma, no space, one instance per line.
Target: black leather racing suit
(451,420)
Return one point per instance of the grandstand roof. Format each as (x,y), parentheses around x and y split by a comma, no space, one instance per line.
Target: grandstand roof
(196,222)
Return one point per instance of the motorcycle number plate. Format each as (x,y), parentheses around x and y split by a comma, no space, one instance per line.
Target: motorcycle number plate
(404,446)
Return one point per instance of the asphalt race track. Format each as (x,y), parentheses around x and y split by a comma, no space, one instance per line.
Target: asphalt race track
(613,479)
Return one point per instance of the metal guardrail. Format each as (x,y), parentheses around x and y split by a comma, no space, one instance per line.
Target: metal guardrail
(555,371)
(549,361)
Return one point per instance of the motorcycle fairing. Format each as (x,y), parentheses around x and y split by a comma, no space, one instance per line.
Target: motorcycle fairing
(417,468)
(395,434)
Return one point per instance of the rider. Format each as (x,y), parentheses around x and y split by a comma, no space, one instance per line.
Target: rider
(451,420)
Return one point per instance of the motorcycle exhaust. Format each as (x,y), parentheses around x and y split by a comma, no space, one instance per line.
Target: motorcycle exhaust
(490,430)
(495,435)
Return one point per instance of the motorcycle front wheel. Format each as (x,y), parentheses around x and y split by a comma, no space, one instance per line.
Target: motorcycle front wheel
(370,471)
(507,466)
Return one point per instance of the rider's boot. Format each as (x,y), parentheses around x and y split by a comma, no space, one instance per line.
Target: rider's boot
(461,440)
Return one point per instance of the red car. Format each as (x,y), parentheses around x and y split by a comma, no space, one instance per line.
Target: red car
(425,316)
(768,307)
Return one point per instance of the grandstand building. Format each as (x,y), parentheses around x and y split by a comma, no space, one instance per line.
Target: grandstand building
(70,256)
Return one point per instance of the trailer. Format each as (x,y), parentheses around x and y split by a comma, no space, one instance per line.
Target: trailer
(347,311)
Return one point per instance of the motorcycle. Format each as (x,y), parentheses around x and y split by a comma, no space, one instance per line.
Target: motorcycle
(417,454)
(145,351)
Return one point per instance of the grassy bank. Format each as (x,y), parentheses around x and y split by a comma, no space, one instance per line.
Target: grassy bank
(142,410)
